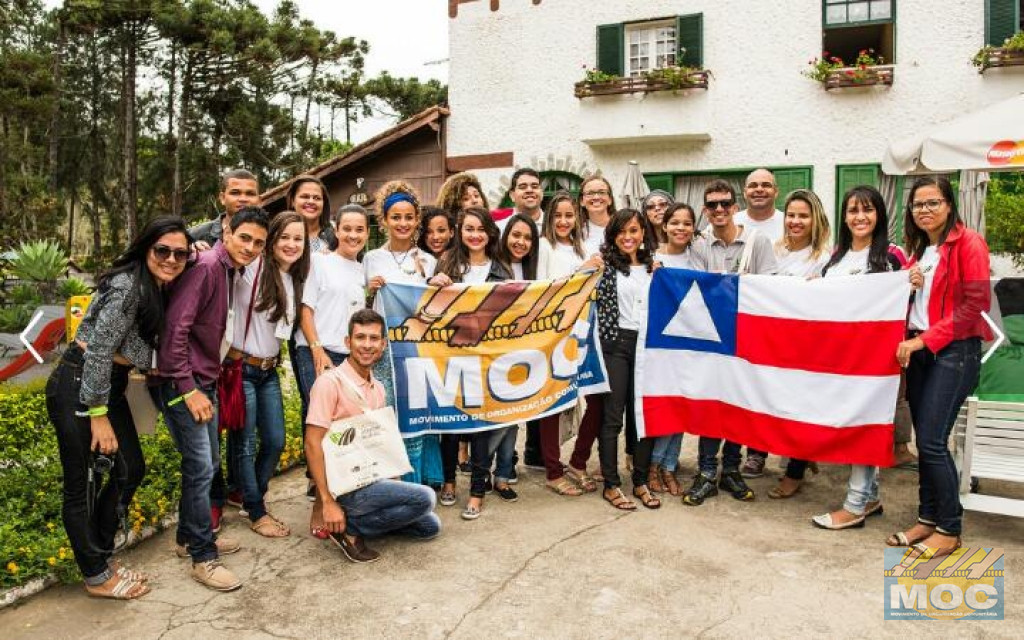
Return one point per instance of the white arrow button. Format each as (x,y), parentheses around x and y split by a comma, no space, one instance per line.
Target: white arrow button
(24,336)
(1000,337)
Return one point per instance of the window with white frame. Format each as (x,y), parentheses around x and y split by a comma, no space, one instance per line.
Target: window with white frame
(839,12)
(649,46)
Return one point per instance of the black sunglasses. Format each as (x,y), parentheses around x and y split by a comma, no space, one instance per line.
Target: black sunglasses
(711,205)
(163,252)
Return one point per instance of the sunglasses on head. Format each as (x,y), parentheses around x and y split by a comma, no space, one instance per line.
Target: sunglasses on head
(711,205)
(163,252)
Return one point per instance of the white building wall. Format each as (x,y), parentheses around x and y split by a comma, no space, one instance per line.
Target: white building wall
(512,73)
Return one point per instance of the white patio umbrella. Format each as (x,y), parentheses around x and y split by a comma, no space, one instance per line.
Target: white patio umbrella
(989,139)
(635,189)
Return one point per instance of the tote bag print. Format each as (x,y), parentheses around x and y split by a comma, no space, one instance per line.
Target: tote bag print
(363,449)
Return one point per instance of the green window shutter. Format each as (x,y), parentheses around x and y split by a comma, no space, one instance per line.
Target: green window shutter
(1002,20)
(611,48)
(664,181)
(690,36)
(788,180)
(851,176)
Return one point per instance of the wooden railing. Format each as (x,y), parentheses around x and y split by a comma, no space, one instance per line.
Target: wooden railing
(1001,57)
(642,84)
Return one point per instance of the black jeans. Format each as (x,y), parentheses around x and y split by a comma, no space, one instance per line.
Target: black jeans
(937,384)
(92,534)
(619,360)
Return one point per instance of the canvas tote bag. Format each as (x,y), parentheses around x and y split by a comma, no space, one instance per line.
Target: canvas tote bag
(362,449)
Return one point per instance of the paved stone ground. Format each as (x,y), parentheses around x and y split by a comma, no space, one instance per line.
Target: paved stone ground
(547,567)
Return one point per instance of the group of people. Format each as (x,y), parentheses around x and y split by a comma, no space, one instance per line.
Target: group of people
(186,305)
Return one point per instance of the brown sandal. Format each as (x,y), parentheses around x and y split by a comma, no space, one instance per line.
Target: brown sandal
(671,483)
(777,492)
(648,499)
(654,480)
(564,487)
(618,500)
(585,481)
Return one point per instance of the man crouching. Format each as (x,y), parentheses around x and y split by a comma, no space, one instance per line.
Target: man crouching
(386,506)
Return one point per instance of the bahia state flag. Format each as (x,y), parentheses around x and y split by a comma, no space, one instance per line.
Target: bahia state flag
(795,367)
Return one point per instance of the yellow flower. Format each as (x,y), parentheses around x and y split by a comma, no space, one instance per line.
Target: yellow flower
(50,526)
(51,561)
(61,553)
(12,567)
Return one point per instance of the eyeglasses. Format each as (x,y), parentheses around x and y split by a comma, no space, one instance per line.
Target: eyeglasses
(163,252)
(656,205)
(594,194)
(711,205)
(763,185)
(925,205)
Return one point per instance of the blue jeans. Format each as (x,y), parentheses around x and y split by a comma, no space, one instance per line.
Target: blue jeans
(505,453)
(937,385)
(707,456)
(483,446)
(666,451)
(199,447)
(391,507)
(262,439)
(861,489)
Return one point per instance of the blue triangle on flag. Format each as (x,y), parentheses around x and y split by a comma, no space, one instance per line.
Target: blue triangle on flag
(693,310)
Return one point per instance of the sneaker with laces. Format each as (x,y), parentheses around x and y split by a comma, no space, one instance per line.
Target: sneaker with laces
(214,575)
(732,482)
(447,498)
(753,467)
(506,493)
(703,488)
(355,550)
(225,547)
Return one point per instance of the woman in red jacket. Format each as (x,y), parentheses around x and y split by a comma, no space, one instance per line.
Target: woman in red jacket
(942,353)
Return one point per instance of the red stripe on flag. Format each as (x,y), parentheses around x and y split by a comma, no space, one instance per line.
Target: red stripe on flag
(819,346)
(863,444)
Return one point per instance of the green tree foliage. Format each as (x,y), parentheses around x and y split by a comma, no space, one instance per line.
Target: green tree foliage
(405,97)
(1004,215)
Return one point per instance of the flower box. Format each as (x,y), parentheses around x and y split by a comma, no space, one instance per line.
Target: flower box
(992,57)
(863,76)
(654,81)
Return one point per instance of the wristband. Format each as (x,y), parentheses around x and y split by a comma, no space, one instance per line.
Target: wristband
(184,396)
(96,412)
(316,345)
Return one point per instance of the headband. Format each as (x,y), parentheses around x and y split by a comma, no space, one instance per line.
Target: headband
(395,198)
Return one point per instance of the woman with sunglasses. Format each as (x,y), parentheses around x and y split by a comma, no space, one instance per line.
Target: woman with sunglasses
(86,402)
(942,353)
(654,206)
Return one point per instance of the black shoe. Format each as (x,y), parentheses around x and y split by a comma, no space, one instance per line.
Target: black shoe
(465,468)
(488,487)
(733,482)
(703,488)
(507,493)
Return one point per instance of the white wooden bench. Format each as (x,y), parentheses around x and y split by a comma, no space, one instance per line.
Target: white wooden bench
(989,439)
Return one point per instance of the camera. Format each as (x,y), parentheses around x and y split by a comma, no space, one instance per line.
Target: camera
(102,463)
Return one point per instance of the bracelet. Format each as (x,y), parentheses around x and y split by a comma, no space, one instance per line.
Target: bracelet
(96,412)
(184,396)
(316,345)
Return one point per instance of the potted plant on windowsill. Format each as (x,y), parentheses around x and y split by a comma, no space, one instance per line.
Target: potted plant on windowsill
(1011,54)
(867,70)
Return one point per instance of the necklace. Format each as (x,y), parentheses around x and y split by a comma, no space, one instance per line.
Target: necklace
(401,261)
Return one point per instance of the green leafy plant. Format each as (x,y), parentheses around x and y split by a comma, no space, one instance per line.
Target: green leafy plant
(32,539)
(983,58)
(41,261)
(1004,216)
(15,319)
(25,294)
(73,287)
(593,75)
(674,77)
(821,69)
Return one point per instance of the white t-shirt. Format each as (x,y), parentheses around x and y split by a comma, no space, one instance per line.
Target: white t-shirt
(632,294)
(504,221)
(919,311)
(262,340)
(799,263)
(682,260)
(334,291)
(593,238)
(477,274)
(556,261)
(773,227)
(405,267)
(854,263)
(517,270)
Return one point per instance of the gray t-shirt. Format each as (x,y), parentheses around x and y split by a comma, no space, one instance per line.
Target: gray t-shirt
(712,254)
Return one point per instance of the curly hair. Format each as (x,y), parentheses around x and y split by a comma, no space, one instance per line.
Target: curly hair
(449,197)
(645,253)
(386,191)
